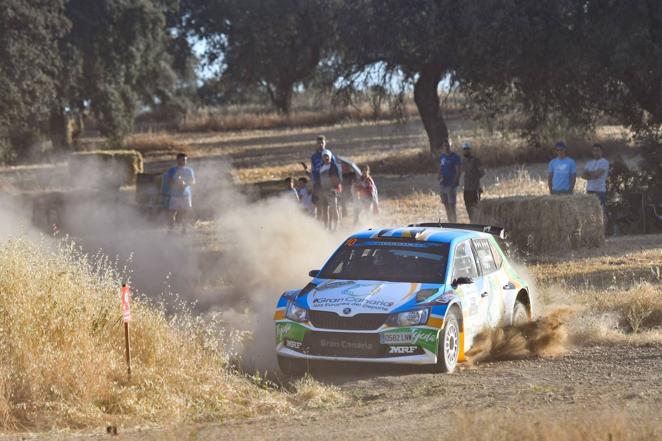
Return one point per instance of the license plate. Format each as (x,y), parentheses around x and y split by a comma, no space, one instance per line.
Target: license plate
(395,338)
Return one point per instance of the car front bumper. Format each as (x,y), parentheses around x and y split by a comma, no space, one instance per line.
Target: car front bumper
(303,341)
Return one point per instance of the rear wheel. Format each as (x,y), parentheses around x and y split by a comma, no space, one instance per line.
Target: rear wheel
(448,350)
(292,367)
(520,314)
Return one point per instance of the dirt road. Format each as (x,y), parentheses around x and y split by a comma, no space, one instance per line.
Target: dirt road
(615,383)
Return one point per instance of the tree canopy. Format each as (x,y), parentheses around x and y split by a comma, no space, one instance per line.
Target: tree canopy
(572,59)
(273,44)
(29,32)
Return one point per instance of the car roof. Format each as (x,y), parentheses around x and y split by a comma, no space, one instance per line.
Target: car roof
(426,234)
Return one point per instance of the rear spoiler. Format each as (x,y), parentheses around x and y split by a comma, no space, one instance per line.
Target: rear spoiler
(495,231)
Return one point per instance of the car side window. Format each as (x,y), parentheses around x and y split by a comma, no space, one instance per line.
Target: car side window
(498,260)
(485,257)
(464,264)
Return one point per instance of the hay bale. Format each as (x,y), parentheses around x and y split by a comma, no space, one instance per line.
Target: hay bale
(547,223)
(105,168)
(148,189)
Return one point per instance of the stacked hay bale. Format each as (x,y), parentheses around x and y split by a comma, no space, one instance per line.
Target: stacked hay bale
(547,223)
(103,169)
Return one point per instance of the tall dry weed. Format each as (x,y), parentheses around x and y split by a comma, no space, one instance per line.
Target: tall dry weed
(62,359)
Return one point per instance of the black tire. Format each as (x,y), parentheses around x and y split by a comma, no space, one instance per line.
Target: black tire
(292,367)
(448,350)
(521,314)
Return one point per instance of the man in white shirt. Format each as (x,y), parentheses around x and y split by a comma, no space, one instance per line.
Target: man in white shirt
(595,173)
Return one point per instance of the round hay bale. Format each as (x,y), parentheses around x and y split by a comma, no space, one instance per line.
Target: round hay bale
(547,223)
(105,168)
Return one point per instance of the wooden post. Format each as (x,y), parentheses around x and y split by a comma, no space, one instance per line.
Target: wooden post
(127,342)
(126,317)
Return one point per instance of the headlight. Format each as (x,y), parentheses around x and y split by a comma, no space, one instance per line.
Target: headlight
(296,313)
(409,318)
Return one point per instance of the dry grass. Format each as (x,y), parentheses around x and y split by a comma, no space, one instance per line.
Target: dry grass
(62,361)
(209,119)
(621,316)
(154,143)
(310,393)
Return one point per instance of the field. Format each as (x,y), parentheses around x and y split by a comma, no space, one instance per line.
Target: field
(600,383)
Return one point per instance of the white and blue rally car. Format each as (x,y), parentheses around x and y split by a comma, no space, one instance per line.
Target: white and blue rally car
(414,295)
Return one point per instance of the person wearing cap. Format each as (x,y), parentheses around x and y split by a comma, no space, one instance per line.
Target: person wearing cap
(330,188)
(316,163)
(449,178)
(473,171)
(562,171)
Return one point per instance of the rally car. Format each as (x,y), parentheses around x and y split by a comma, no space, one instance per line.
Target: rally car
(413,295)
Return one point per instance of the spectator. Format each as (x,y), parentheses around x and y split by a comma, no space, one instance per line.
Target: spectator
(562,172)
(316,163)
(473,171)
(449,178)
(330,188)
(595,173)
(367,198)
(305,195)
(177,183)
(290,191)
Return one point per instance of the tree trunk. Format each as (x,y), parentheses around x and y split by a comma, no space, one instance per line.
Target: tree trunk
(60,130)
(427,103)
(281,96)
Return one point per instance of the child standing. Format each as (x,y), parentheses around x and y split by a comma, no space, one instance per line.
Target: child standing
(305,196)
(366,194)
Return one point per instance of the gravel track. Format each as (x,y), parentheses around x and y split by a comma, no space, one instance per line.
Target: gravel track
(394,403)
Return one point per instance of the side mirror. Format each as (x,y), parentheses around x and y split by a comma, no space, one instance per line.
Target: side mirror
(462,281)
(313,273)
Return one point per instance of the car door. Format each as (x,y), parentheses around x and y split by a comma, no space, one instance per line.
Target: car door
(473,312)
(507,287)
(493,299)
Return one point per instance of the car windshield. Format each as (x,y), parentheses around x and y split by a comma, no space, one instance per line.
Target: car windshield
(404,261)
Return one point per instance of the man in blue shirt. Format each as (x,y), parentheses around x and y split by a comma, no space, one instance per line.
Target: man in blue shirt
(177,183)
(316,163)
(562,171)
(449,179)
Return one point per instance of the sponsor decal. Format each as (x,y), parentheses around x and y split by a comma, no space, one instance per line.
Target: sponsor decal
(293,344)
(421,336)
(346,344)
(283,330)
(348,301)
(351,298)
(349,292)
(332,285)
(402,349)
(347,311)
(446,297)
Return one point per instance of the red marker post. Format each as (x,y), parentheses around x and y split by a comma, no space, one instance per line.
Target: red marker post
(126,317)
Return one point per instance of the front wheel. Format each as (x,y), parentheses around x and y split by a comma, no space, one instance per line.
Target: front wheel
(448,350)
(520,314)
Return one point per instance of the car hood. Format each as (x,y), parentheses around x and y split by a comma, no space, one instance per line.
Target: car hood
(351,297)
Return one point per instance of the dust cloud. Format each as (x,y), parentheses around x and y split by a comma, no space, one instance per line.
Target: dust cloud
(547,336)
(273,247)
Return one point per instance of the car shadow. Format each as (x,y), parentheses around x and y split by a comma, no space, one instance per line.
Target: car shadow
(339,373)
